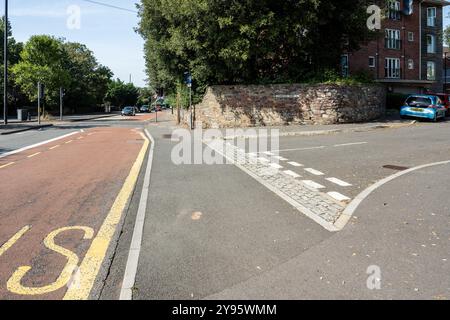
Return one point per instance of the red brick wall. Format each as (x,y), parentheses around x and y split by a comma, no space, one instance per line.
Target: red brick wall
(359,61)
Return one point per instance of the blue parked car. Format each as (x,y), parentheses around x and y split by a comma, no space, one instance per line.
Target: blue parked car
(423,106)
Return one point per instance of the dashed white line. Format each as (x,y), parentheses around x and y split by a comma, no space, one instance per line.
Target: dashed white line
(54,147)
(339,182)
(292,174)
(339,197)
(350,144)
(34,155)
(7,165)
(280,158)
(276,166)
(313,184)
(314,172)
(69,141)
(295,164)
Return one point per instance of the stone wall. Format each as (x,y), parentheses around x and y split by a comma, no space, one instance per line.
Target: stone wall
(275,105)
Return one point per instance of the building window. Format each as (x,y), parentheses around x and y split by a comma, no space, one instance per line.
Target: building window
(392,68)
(410,36)
(431,70)
(431,17)
(371,62)
(392,39)
(410,64)
(344,66)
(431,43)
(394,10)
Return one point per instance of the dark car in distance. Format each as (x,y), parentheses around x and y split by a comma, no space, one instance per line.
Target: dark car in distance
(128,111)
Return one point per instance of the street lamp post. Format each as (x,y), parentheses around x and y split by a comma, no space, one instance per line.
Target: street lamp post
(5,67)
(445,70)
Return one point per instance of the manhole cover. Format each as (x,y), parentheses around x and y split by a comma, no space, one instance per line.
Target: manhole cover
(396,168)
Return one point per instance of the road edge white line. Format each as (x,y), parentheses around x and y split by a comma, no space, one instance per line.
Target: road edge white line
(351,208)
(305,211)
(4,155)
(126,292)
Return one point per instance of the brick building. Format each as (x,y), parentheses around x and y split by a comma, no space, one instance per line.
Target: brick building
(407,57)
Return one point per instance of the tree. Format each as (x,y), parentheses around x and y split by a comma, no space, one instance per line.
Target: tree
(145,96)
(16,98)
(42,60)
(447,36)
(120,94)
(88,79)
(253,41)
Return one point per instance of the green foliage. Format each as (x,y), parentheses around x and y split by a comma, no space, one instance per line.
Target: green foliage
(120,94)
(42,60)
(331,76)
(446,36)
(89,80)
(58,64)
(252,41)
(145,96)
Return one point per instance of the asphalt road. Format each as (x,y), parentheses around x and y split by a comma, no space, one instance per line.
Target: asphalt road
(214,232)
(55,201)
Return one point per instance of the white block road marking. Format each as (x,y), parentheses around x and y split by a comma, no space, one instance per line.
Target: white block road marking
(263,160)
(339,197)
(280,158)
(313,184)
(276,166)
(269,153)
(339,182)
(295,164)
(350,144)
(292,174)
(314,172)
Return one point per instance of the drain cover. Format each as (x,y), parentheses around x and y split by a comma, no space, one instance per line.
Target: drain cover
(397,168)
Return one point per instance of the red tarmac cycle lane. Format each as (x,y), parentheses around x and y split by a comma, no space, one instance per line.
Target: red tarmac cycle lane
(68,183)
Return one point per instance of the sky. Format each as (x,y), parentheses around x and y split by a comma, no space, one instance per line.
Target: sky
(108,32)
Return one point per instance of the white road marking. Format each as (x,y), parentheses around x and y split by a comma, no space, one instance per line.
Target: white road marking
(70,141)
(314,172)
(269,153)
(300,149)
(351,208)
(276,166)
(280,158)
(313,184)
(54,147)
(129,280)
(263,160)
(295,164)
(34,155)
(350,144)
(7,165)
(292,174)
(339,182)
(339,197)
(3,155)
